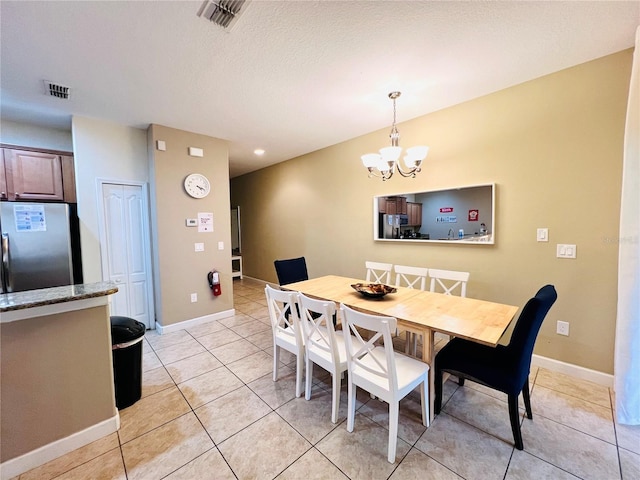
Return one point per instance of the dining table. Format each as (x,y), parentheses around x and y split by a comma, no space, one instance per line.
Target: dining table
(420,312)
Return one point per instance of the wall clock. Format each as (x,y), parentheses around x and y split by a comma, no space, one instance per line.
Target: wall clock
(197,185)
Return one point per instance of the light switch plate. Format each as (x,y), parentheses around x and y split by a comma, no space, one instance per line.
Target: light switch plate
(199,247)
(161,145)
(220,245)
(565,250)
(542,235)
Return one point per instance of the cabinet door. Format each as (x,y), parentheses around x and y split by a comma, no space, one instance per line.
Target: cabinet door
(418,213)
(382,205)
(392,206)
(402,205)
(3,179)
(33,175)
(68,179)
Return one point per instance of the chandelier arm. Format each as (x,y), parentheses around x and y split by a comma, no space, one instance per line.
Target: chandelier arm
(408,173)
(375,173)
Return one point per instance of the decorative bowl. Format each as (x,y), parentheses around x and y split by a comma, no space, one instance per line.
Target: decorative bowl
(373,290)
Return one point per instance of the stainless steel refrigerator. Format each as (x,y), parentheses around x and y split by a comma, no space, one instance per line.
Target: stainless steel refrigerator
(36,246)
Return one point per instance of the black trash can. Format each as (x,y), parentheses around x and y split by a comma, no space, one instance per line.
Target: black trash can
(126,349)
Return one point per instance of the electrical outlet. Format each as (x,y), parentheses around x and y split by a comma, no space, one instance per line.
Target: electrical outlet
(194,297)
(562,328)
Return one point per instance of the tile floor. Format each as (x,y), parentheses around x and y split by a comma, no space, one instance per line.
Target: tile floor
(210,410)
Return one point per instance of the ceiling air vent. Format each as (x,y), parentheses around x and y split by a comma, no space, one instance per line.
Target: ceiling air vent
(56,90)
(223,12)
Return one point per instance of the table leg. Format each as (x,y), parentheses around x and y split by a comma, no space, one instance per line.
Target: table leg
(428,356)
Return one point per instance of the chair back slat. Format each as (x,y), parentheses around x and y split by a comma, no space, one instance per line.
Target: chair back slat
(447,281)
(317,325)
(369,356)
(411,277)
(378,272)
(283,312)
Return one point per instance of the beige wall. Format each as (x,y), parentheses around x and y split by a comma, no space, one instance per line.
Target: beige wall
(552,145)
(179,270)
(56,378)
(103,150)
(26,135)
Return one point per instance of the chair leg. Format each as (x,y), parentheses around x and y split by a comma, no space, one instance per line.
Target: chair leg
(335,400)
(351,405)
(527,399)
(394,410)
(299,368)
(307,379)
(437,403)
(514,416)
(461,381)
(276,359)
(424,401)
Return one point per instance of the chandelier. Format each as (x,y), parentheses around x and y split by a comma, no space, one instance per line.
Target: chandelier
(383,164)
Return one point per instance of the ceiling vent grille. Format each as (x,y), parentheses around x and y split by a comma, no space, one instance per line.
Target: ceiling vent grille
(56,90)
(223,12)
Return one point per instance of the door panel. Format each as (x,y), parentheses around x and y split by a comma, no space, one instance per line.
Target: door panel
(127,260)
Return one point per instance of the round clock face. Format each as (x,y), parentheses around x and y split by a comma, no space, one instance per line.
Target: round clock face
(197,185)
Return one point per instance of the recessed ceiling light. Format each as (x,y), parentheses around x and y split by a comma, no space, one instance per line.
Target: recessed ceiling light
(259,151)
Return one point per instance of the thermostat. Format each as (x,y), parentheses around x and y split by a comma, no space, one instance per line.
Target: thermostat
(192,222)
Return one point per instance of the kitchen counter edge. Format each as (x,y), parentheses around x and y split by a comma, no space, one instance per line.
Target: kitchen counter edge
(50,296)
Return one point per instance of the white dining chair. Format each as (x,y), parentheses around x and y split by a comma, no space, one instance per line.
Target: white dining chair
(283,312)
(378,272)
(380,370)
(323,346)
(448,281)
(411,277)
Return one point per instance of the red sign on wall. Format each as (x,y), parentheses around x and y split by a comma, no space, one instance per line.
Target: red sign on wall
(473,215)
(446,209)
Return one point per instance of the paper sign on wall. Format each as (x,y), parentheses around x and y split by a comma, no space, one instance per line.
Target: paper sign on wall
(205,222)
(30,218)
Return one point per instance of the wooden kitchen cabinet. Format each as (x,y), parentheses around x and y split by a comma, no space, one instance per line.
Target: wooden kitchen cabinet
(414,212)
(29,175)
(392,205)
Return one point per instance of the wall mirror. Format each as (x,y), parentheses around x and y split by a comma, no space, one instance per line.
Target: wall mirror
(458,215)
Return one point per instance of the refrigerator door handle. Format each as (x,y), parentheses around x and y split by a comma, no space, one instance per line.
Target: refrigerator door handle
(6,276)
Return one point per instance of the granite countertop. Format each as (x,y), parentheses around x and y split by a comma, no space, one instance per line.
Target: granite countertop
(50,296)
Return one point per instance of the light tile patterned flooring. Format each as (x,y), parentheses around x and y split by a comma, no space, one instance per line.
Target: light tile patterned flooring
(210,410)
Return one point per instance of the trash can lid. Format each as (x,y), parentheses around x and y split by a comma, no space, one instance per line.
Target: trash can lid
(125,329)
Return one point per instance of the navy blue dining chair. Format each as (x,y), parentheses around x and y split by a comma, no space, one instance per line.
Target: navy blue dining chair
(504,368)
(291,270)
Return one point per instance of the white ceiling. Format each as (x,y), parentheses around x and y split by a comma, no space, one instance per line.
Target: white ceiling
(291,76)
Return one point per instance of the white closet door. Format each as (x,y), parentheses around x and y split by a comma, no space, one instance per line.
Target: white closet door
(126,250)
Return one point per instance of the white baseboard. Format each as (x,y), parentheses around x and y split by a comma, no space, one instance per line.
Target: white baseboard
(594,376)
(16,466)
(161,329)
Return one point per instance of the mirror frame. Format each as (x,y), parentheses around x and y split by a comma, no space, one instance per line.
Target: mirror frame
(455,241)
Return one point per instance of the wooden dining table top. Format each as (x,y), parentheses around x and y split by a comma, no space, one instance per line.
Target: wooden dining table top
(476,320)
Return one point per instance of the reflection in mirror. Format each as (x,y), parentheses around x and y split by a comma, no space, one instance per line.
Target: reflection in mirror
(236,246)
(461,215)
